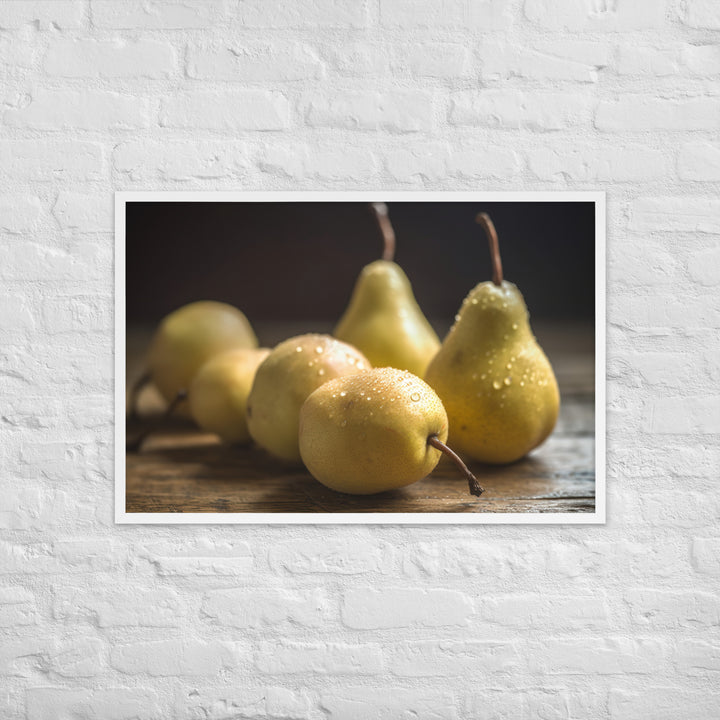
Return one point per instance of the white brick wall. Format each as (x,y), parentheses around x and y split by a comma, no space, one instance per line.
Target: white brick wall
(117,623)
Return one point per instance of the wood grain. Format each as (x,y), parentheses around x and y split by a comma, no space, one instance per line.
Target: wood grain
(182,470)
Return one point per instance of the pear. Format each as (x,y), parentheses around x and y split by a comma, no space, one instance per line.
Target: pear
(283,381)
(377,431)
(383,319)
(219,391)
(191,335)
(496,383)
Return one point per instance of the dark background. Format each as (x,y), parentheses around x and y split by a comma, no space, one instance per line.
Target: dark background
(285,262)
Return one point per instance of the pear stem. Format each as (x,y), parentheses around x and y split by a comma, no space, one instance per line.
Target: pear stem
(135,391)
(473,484)
(380,210)
(136,444)
(489,228)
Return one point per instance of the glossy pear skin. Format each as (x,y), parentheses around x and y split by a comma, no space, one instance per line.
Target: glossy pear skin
(384,321)
(283,381)
(368,433)
(191,335)
(496,383)
(219,391)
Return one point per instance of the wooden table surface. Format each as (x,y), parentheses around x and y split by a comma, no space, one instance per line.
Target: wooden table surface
(181,470)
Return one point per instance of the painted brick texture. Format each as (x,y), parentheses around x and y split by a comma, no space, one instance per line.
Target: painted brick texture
(148,623)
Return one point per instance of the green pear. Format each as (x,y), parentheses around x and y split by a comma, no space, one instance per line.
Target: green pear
(496,383)
(219,391)
(283,381)
(191,335)
(379,430)
(383,319)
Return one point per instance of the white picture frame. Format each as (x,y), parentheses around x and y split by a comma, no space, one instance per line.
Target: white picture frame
(596,517)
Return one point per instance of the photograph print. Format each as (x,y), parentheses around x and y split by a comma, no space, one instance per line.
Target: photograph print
(360,357)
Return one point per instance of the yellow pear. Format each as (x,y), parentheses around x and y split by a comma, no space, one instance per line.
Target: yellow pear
(376,431)
(283,381)
(496,383)
(219,391)
(383,319)
(191,335)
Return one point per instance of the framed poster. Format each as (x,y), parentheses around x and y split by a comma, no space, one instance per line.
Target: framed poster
(360,357)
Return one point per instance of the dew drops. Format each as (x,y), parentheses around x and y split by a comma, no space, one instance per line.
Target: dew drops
(319,349)
(343,394)
(457,317)
(474,376)
(474,301)
(522,383)
(321,372)
(514,326)
(509,366)
(298,349)
(507,380)
(483,376)
(415,397)
(496,384)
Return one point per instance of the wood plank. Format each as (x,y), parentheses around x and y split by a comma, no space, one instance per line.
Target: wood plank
(186,471)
